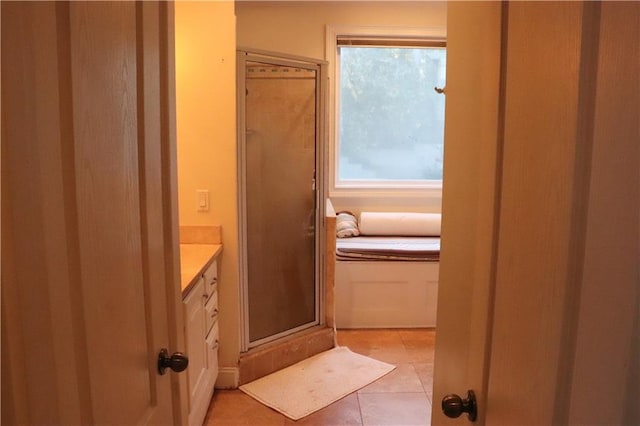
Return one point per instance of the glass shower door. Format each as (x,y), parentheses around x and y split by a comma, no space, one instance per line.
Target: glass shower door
(280,205)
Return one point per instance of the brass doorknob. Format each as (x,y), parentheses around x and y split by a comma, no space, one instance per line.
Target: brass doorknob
(453,406)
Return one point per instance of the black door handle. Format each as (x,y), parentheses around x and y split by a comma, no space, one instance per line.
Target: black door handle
(177,362)
(453,406)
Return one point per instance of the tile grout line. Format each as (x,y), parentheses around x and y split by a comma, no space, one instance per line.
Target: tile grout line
(360,409)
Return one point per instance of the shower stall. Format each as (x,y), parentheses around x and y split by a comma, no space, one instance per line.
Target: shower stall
(280,104)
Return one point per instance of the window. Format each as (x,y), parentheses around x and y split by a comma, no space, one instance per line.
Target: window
(390,121)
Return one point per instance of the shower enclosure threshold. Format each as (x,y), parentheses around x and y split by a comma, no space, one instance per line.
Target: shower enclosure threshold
(273,356)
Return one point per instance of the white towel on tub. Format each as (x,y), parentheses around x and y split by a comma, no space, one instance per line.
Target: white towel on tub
(399,223)
(346,225)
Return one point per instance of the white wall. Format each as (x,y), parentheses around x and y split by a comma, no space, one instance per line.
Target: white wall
(298,28)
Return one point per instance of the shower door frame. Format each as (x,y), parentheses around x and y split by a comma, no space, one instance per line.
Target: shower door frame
(244,55)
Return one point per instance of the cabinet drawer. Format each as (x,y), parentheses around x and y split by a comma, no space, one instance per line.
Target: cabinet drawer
(211,278)
(212,351)
(213,337)
(211,311)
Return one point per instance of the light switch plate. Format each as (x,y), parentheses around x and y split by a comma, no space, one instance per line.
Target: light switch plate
(203,200)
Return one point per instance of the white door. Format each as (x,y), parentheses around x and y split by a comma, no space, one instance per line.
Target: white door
(90,277)
(539,294)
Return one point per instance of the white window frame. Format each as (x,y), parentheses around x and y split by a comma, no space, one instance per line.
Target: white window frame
(407,190)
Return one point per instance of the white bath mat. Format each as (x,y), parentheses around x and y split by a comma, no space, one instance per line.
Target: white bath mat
(316,382)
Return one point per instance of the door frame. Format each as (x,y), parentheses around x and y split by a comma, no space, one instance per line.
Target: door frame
(244,55)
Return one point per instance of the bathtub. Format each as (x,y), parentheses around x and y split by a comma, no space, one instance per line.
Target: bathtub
(380,293)
(385,294)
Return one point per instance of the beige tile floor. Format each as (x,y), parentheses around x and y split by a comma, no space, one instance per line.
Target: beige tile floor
(403,397)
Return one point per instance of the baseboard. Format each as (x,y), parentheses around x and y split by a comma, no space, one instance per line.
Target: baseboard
(228,378)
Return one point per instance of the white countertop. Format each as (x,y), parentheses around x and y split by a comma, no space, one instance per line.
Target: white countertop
(194,258)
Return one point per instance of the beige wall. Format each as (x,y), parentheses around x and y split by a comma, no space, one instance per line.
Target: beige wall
(206,123)
(298,28)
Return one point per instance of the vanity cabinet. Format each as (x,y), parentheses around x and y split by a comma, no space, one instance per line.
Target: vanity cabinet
(200,305)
